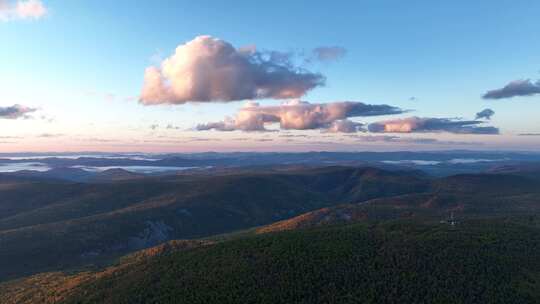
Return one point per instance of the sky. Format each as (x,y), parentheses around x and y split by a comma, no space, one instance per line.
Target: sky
(192,76)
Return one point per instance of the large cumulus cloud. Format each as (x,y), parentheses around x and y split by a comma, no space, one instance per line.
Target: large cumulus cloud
(21,9)
(15,112)
(301,115)
(523,87)
(424,125)
(209,69)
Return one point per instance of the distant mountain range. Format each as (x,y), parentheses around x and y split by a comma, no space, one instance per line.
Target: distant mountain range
(441,163)
(77,175)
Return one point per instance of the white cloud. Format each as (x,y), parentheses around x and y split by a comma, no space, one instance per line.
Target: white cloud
(345,126)
(15,112)
(428,124)
(22,9)
(209,69)
(301,115)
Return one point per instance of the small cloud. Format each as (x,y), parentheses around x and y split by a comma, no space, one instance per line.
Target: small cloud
(293,135)
(22,10)
(16,112)
(523,87)
(208,69)
(329,53)
(408,140)
(10,137)
(485,114)
(202,139)
(227,125)
(320,142)
(99,140)
(345,126)
(423,125)
(263,139)
(301,115)
(389,138)
(49,135)
(47,118)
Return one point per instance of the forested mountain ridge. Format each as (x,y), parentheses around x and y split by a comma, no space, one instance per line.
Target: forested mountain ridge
(477,261)
(48,225)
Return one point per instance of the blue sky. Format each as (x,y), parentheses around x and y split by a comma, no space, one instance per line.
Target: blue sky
(82,64)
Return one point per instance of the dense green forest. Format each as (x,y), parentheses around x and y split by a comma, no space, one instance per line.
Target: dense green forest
(476,261)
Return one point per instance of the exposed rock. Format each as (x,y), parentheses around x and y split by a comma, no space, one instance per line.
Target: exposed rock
(155,233)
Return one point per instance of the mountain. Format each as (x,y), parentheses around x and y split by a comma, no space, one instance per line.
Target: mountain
(76,175)
(531,170)
(466,196)
(62,173)
(440,163)
(48,225)
(115,174)
(477,261)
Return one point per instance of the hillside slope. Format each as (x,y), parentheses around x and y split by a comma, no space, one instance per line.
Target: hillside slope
(463,196)
(493,261)
(57,225)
